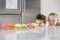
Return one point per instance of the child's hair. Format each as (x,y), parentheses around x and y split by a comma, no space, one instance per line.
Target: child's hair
(41,17)
(53,14)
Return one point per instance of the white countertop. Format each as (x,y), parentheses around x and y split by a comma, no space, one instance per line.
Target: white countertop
(24,35)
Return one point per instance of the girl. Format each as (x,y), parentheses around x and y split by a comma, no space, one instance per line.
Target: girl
(52,21)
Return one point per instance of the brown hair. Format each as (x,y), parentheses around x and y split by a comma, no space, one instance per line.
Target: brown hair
(41,17)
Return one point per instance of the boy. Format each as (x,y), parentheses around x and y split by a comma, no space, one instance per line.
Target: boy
(40,20)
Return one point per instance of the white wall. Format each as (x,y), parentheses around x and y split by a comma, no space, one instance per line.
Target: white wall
(48,6)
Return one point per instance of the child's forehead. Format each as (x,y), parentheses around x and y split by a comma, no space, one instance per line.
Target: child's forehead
(40,20)
(52,16)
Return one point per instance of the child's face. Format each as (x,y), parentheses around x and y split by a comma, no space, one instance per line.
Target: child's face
(40,22)
(52,20)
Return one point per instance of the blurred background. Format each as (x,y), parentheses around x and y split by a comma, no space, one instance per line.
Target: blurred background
(18,11)
(24,11)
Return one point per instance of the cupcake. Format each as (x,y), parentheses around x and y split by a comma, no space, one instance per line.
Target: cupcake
(4,26)
(17,26)
(23,26)
(34,25)
(29,25)
(11,26)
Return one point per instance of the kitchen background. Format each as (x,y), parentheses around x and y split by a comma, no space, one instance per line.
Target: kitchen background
(24,11)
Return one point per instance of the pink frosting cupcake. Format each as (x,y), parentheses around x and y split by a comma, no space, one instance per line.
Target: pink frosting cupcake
(4,26)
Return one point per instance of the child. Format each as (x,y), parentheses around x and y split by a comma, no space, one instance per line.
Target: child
(52,21)
(41,20)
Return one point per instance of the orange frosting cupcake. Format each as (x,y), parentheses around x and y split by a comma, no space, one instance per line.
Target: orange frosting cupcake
(10,26)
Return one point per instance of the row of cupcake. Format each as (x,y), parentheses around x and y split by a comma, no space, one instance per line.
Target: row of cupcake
(17,26)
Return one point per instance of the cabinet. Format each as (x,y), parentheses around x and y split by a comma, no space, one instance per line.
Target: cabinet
(18,11)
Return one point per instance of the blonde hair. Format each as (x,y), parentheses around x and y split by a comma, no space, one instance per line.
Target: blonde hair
(53,14)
